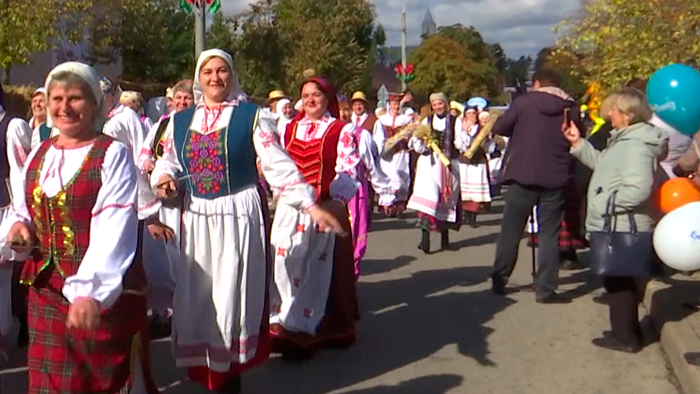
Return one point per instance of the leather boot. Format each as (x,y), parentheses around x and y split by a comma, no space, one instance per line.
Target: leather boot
(445,240)
(425,242)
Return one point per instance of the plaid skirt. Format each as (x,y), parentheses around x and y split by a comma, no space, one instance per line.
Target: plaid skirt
(430,223)
(63,360)
(570,237)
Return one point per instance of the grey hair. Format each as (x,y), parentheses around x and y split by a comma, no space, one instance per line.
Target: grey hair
(631,102)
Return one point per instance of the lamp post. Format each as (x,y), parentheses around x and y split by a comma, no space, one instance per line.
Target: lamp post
(200,8)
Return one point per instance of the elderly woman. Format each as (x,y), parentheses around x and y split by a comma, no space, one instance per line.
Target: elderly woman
(627,167)
(314,304)
(220,323)
(436,190)
(475,185)
(86,300)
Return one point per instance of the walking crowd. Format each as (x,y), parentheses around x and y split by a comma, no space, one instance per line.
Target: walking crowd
(123,220)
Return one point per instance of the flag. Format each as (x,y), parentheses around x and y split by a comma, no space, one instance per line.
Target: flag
(185,6)
(214,6)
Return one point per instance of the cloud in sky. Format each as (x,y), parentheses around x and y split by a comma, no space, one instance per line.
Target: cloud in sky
(522,27)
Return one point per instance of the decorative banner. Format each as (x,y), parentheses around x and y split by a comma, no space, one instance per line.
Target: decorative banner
(404,74)
(187,5)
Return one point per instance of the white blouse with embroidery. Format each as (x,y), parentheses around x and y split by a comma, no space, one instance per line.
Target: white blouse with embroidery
(279,169)
(113,225)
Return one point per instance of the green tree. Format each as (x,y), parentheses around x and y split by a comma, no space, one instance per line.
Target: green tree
(334,38)
(260,67)
(621,39)
(154,39)
(220,33)
(29,27)
(444,64)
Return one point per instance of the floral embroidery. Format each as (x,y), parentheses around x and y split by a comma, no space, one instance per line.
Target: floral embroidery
(268,138)
(205,158)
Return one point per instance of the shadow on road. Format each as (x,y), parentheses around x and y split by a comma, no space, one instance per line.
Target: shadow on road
(404,322)
(381,266)
(435,384)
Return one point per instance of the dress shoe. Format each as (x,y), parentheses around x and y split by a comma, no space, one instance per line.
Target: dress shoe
(612,343)
(601,299)
(694,305)
(554,298)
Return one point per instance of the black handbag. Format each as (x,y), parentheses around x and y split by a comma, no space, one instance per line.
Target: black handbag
(615,253)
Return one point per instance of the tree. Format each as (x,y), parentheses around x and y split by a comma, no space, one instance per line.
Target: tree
(444,64)
(260,67)
(28,28)
(334,38)
(622,39)
(153,38)
(220,34)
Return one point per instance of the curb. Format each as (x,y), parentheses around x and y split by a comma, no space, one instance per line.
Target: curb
(677,336)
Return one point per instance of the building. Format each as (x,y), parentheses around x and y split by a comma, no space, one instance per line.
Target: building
(428,27)
(41,63)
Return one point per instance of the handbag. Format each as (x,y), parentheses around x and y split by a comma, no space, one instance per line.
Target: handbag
(615,253)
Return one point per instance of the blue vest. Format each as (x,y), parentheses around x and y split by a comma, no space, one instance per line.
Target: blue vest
(44,132)
(222,161)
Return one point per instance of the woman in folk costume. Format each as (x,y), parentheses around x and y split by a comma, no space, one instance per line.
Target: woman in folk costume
(86,303)
(371,179)
(474,173)
(123,123)
(15,143)
(398,166)
(436,189)
(314,304)
(220,320)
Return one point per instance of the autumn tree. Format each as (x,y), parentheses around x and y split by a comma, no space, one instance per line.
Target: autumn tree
(26,28)
(621,39)
(443,64)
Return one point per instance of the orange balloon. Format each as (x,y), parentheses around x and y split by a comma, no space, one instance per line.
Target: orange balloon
(677,192)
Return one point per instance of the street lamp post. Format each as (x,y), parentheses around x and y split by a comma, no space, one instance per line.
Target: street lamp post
(200,8)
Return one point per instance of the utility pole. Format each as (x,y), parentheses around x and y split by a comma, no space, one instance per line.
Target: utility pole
(403,42)
(200,28)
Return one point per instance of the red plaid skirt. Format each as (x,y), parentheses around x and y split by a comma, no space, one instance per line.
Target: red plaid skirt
(570,237)
(62,360)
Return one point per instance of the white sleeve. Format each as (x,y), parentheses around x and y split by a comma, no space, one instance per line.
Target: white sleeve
(36,137)
(168,164)
(381,183)
(147,153)
(17,138)
(280,171)
(417,145)
(345,186)
(113,230)
(126,127)
(379,136)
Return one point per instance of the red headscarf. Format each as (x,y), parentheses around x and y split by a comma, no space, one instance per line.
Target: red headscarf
(329,91)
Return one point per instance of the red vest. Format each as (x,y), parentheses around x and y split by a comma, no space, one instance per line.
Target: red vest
(62,223)
(315,159)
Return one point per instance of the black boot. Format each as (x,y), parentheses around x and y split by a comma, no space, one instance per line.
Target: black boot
(425,242)
(473,223)
(445,240)
(232,386)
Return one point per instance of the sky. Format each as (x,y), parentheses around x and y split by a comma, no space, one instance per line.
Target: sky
(522,27)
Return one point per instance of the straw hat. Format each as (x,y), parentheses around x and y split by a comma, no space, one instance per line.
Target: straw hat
(359,96)
(276,95)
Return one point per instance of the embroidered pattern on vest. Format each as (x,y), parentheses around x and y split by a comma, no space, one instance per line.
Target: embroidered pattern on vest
(206,155)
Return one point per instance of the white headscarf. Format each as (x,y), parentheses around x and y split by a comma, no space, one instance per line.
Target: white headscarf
(299,105)
(236,91)
(280,104)
(87,74)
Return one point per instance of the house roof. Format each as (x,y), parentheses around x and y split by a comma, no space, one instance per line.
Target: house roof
(383,75)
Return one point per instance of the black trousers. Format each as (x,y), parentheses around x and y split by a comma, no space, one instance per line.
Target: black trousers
(519,203)
(623,300)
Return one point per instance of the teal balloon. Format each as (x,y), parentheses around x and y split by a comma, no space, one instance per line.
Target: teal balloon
(674,95)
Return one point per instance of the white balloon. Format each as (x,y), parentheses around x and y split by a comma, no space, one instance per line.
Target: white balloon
(677,238)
